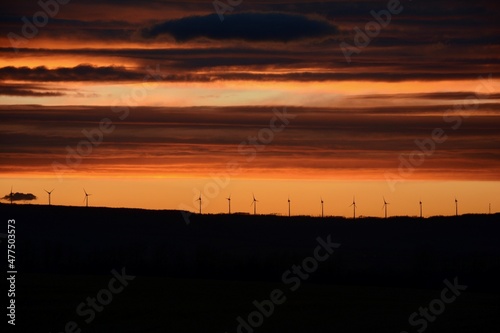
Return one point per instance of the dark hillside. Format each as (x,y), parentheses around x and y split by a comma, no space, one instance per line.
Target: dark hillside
(221,263)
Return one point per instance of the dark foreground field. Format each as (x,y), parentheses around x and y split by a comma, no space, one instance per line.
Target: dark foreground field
(200,277)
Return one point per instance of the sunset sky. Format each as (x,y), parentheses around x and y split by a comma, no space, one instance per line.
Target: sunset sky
(149,103)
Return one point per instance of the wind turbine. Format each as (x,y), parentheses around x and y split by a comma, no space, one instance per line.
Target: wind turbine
(420,202)
(199,199)
(456,207)
(229,201)
(385,206)
(322,202)
(49,193)
(288,206)
(354,205)
(86,199)
(254,203)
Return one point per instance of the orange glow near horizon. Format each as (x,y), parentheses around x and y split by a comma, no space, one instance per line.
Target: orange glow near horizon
(231,93)
(181,194)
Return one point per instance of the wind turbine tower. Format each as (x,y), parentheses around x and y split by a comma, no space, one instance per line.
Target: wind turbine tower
(322,202)
(86,199)
(456,207)
(420,202)
(49,193)
(354,207)
(254,203)
(288,206)
(229,202)
(199,199)
(385,207)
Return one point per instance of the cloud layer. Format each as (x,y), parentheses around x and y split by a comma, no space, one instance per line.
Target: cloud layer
(19,197)
(204,140)
(272,52)
(253,27)
(82,72)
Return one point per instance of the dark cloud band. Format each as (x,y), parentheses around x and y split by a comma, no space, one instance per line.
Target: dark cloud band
(253,27)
